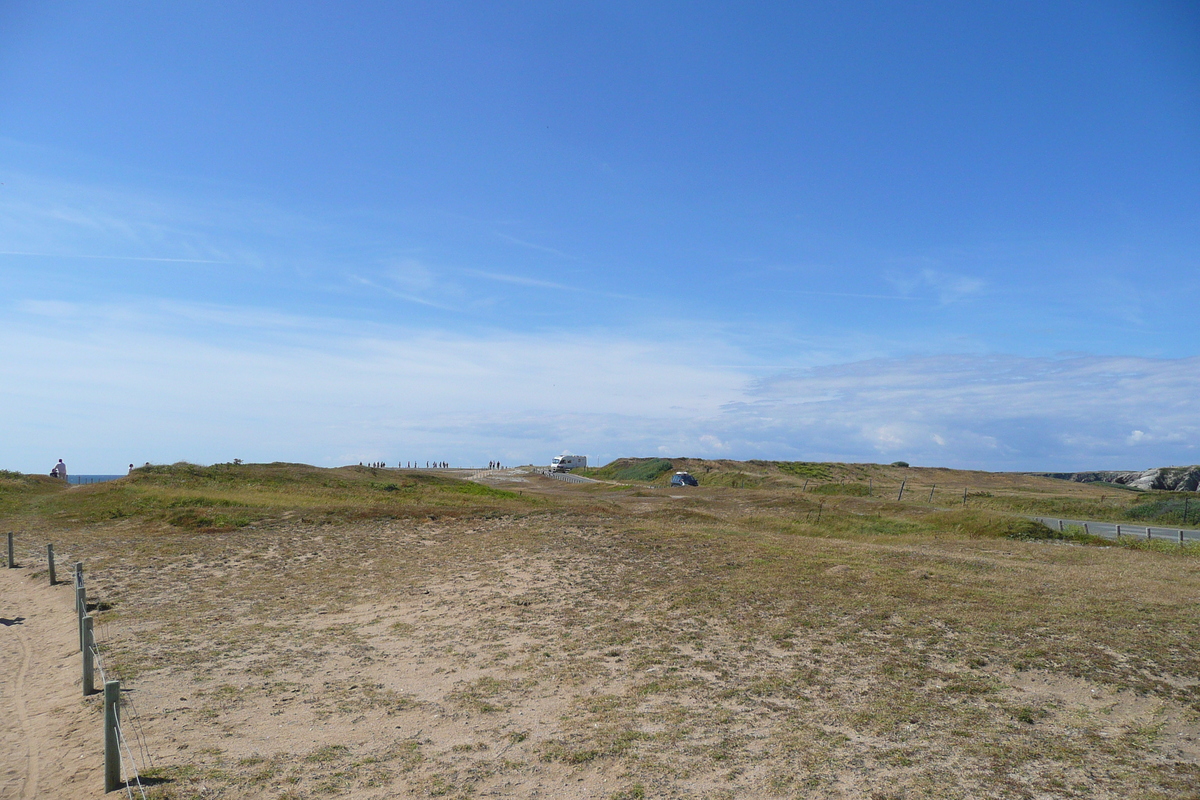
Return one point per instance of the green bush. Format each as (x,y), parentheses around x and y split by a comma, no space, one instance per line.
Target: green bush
(1164,510)
(631,469)
(804,469)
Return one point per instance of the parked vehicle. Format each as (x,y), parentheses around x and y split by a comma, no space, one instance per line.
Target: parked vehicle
(566,463)
(683,479)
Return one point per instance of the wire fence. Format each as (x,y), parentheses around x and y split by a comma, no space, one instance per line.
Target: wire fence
(128,773)
(87,480)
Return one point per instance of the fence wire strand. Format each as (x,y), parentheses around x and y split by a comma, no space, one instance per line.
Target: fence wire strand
(139,734)
(130,769)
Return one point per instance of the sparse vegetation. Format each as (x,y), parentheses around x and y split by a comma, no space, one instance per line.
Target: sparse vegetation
(642,470)
(226,497)
(462,640)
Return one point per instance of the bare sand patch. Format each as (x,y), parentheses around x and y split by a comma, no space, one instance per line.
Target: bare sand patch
(716,646)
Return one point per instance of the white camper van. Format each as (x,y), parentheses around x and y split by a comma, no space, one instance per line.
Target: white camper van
(566,463)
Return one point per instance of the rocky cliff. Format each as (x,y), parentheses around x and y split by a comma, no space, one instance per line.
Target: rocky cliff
(1172,479)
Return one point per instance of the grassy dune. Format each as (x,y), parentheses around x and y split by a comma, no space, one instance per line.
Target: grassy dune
(535,638)
(229,496)
(1010,492)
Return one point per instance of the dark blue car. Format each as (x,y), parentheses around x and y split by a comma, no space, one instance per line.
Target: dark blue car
(683,479)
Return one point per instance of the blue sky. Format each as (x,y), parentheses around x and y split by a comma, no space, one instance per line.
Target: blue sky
(962,234)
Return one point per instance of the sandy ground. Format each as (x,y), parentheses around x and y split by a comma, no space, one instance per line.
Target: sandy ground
(545,666)
(52,739)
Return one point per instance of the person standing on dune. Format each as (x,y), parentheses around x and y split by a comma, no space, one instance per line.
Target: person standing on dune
(60,470)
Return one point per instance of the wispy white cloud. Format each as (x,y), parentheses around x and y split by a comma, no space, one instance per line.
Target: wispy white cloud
(519,280)
(532,246)
(948,287)
(116,258)
(167,381)
(854,294)
(989,411)
(419,284)
(152,386)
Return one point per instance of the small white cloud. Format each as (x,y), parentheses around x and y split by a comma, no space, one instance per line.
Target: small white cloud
(48,308)
(947,286)
(939,440)
(951,288)
(410,275)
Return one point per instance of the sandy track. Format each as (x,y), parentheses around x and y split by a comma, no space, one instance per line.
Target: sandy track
(52,747)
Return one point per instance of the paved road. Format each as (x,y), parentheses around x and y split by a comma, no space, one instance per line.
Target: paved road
(1109,530)
(567,477)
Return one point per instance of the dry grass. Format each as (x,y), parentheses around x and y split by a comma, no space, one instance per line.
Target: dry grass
(720,643)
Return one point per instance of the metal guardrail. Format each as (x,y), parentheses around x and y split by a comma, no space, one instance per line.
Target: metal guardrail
(1123,530)
(565,477)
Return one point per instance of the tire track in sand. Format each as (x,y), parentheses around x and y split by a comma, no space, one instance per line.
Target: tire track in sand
(30,786)
(47,746)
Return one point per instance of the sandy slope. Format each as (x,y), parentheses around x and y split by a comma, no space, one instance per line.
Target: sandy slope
(50,742)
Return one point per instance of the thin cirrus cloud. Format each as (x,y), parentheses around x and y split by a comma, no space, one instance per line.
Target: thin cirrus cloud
(116,258)
(948,287)
(534,246)
(997,411)
(200,383)
(519,280)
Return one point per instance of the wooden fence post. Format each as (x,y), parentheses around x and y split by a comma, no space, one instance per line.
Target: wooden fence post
(1147,533)
(1118,531)
(964,497)
(81,610)
(1060,526)
(1087,532)
(805,487)
(89,643)
(931,490)
(901,494)
(112,755)
(50,560)
(11,563)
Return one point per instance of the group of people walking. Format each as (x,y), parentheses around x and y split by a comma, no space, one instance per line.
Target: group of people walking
(405,465)
(60,469)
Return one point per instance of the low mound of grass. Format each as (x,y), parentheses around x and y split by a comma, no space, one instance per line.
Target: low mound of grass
(17,489)
(642,470)
(803,469)
(976,523)
(229,496)
(680,515)
(735,479)
(1162,508)
(846,489)
(1167,508)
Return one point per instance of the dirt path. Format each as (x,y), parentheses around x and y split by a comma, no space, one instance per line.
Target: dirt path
(48,747)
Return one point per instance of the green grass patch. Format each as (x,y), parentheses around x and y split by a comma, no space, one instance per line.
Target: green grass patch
(642,470)
(804,469)
(225,497)
(846,489)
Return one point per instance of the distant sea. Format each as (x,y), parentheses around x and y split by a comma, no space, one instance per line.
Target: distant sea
(77,479)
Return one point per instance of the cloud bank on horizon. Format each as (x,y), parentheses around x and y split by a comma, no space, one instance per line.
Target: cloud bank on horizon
(967,237)
(136,384)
